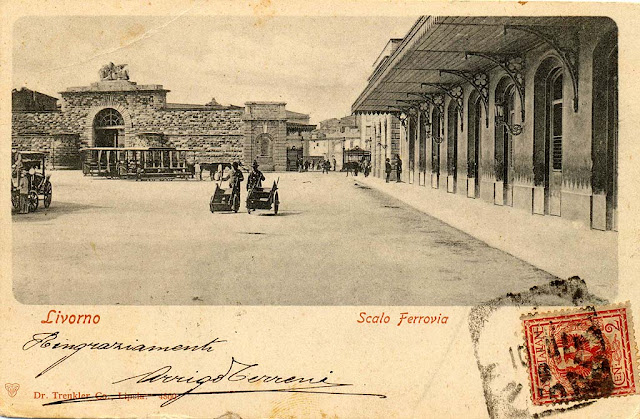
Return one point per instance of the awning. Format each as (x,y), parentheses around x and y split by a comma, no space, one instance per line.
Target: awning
(438,50)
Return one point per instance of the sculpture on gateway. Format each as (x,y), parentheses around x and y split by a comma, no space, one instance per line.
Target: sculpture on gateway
(114,72)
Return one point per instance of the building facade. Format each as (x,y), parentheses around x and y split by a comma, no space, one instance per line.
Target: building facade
(333,138)
(116,112)
(28,100)
(514,111)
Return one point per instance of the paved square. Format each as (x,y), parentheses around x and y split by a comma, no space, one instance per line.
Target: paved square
(335,242)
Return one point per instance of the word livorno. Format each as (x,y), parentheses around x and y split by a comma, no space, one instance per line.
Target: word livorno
(48,341)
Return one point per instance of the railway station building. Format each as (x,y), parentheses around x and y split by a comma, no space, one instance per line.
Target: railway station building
(512,111)
(117,112)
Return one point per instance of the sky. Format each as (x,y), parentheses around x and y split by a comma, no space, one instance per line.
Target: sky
(318,65)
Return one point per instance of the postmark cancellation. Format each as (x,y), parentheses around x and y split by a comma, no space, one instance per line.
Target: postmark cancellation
(581,354)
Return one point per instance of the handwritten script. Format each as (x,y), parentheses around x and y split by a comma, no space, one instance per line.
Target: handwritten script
(244,375)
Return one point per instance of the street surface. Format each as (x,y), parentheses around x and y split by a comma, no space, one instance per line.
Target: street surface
(334,242)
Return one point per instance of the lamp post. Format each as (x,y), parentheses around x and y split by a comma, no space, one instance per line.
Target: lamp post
(344,140)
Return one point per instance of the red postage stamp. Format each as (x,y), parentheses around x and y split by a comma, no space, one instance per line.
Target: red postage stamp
(580,354)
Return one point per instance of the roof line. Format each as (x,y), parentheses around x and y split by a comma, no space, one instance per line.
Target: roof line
(417,31)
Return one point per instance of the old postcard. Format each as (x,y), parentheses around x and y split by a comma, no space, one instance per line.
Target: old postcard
(286,209)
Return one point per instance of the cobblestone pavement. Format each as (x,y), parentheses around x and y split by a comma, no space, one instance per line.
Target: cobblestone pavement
(335,242)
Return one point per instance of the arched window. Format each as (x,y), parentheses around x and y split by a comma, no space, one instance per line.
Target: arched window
(108,118)
(554,117)
(547,136)
(264,144)
(108,127)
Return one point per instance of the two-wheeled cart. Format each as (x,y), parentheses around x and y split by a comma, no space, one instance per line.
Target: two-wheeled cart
(263,199)
(224,199)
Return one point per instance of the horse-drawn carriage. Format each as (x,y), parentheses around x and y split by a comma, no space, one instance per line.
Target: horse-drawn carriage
(29,166)
(140,163)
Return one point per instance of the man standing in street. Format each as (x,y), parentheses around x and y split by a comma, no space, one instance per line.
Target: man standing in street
(235,178)
(334,164)
(255,177)
(23,184)
(398,167)
(387,168)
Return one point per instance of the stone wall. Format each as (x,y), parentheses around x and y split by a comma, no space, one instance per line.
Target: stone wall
(26,123)
(62,148)
(214,134)
(266,120)
(210,148)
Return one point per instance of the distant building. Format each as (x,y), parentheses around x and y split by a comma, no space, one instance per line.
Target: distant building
(29,100)
(116,112)
(333,138)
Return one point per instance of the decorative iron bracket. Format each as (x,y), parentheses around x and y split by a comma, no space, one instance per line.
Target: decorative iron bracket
(455,93)
(480,82)
(566,47)
(515,129)
(513,65)
(423,106)
(408,105)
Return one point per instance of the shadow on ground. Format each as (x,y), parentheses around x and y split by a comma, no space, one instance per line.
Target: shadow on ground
(54,211)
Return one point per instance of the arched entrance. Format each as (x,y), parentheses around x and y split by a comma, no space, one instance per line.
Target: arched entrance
(436,139)
(422,149)
(547,134)
(452,147)
(412,133)
(108,129)
(505,107)
(604,142)
(473,145)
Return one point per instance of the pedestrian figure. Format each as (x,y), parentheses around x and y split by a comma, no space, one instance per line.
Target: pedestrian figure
(398,167)
(255,177)
(138,172)
(24,193)
(334,165)
(235,178)
(219,172)
(387,168)
(367,168)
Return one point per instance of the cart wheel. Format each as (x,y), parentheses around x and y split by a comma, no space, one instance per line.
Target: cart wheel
(276,204)
(33,201)
(236,203)
(48,193)
(211,203)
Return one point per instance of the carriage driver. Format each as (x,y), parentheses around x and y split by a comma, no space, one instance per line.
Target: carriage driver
(255,177)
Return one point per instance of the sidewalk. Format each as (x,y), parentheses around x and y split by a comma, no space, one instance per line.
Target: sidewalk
(552,244)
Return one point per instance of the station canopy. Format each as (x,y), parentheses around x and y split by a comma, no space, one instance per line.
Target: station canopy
(440,50)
